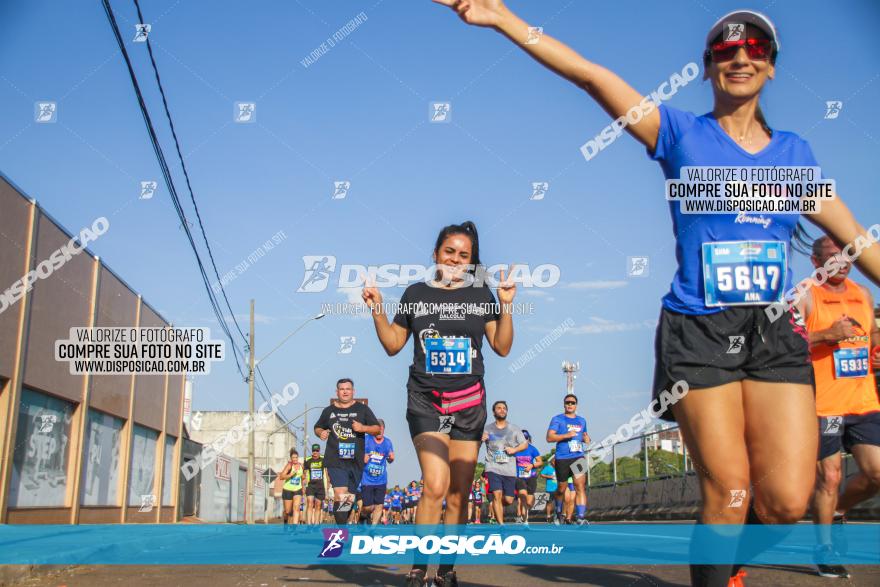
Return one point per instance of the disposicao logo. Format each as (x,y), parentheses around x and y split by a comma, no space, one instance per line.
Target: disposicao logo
(334,541)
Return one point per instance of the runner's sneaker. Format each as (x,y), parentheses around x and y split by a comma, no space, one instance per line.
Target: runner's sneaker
(557,521)
(416,578)
(737,580)
(519,520)
(582,522)
(447,580)
(827,563)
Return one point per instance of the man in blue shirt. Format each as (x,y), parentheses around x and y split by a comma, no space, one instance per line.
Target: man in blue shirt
(378,452)
(396,504)
(569,432)
(528,462)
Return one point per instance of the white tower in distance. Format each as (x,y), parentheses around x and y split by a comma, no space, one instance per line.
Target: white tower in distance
(570,370)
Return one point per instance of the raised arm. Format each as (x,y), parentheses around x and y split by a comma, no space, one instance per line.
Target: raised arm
(392,336)
(499,333)
(613,94)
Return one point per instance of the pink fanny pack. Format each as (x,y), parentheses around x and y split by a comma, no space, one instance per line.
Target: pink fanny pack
(449,402)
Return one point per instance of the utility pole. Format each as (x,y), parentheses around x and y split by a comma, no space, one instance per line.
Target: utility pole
(306,433)
(250,471)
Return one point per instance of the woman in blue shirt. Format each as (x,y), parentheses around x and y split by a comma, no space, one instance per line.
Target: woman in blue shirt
(748,417)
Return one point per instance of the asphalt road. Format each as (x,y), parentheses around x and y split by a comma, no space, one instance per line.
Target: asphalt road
(469,576)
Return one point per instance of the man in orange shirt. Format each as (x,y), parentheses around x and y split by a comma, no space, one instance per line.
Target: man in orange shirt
(840,321)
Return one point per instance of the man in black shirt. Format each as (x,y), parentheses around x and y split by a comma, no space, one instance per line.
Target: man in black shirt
(344,424)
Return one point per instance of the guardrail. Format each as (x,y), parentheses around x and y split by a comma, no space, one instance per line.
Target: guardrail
(654,462)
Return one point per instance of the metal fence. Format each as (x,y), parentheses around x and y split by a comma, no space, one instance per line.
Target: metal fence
(642,458)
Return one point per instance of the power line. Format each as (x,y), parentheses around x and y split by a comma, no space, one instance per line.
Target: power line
(186,173)
(193,199)
(218,313)
(169,182)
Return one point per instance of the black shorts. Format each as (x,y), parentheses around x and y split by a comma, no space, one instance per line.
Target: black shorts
(737,343)
(373,494)
(563,469)
(423,416)
(287,494)
(396,508)
(842,432)
(345,476)
(316,491)
(527,484)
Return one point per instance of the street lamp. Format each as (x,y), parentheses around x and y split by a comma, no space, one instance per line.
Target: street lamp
(286,338)
(252,432)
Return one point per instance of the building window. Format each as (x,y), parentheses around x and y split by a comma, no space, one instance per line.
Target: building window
(168,476)
(100,482)
(141,490)
(39,461)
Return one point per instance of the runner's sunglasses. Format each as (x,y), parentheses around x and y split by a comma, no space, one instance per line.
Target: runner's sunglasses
(756,49)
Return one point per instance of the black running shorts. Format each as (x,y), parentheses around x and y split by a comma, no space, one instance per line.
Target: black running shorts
(732,345)
(423,416)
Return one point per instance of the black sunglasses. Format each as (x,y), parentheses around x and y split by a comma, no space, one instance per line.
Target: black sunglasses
(571,403)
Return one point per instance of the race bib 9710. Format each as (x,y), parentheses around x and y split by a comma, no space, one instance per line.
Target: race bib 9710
(742,273)
(346,450)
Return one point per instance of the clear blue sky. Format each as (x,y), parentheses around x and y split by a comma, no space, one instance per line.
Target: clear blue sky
(360,113)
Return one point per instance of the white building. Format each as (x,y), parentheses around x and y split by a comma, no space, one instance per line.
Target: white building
(207,427)
(664,437)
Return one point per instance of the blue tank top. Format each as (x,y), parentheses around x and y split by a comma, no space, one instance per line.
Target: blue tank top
(689,140)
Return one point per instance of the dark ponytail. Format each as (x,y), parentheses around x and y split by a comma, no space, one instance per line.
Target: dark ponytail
(801,240)
(468,229)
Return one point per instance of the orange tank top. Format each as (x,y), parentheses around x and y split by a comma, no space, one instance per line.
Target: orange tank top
(844,380)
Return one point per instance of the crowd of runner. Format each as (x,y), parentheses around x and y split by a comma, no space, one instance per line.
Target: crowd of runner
(748,416)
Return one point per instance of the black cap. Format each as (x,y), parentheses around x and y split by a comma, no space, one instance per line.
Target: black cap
(316,447)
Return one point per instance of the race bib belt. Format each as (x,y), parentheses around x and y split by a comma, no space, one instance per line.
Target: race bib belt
(449,402)
(346,450)
(852,362)
(743,273)
(448,356)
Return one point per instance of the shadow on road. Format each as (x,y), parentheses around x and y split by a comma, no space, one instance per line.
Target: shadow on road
(571,575)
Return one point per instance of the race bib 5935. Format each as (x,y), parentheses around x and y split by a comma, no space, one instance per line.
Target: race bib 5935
(852,362)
